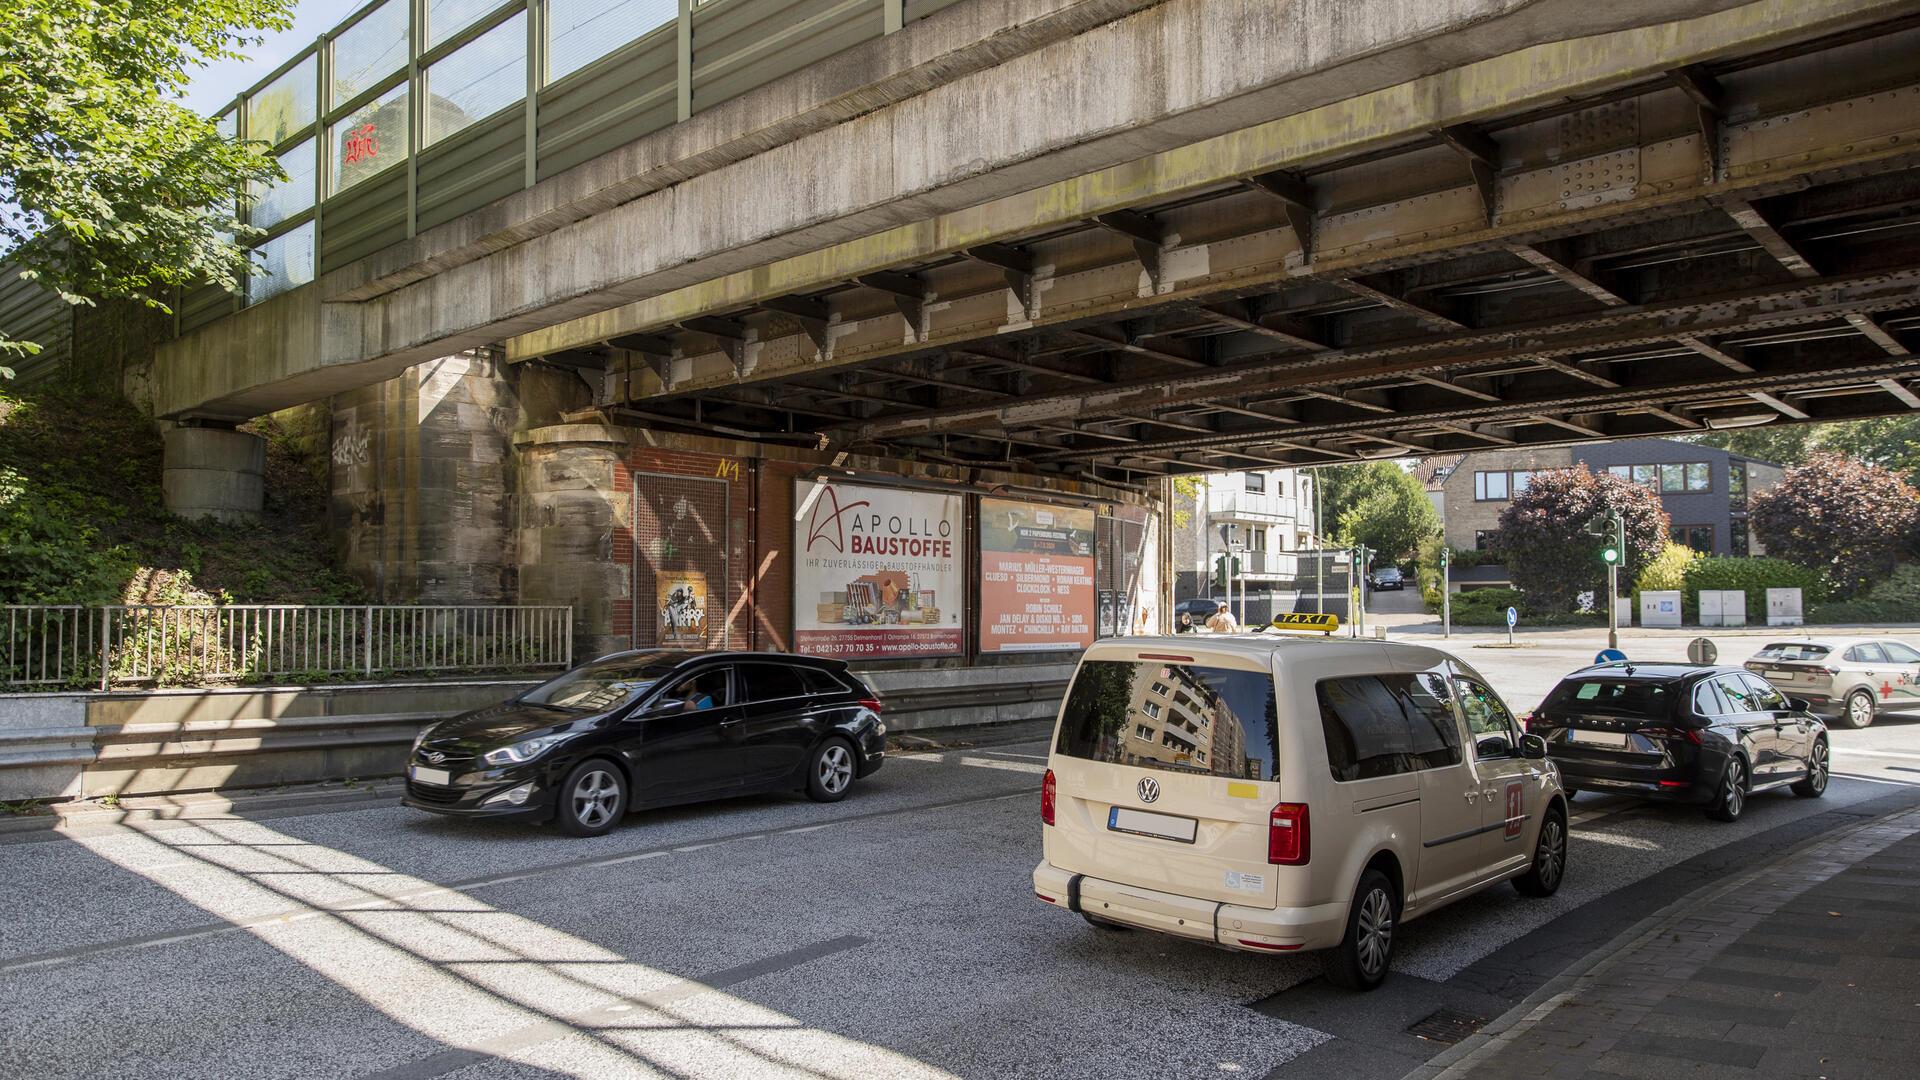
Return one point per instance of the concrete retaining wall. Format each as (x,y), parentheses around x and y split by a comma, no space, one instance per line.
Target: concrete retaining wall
(64,746)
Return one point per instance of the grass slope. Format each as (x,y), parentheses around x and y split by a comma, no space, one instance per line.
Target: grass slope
(81,518)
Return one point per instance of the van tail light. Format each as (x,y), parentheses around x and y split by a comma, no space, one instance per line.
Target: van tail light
(871,704)
(1046,799)
(1289,835)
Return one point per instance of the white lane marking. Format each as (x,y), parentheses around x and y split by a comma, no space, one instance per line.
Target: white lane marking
(1009,753)
(1010,766)
(634,858)
(1873,779)
(810,828)
(1849,751)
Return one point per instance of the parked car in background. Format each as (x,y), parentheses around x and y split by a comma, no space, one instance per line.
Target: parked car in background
(1274,794)
(1387,577)
(1851,680)
(1199,608)
(1710,735)
(647,729)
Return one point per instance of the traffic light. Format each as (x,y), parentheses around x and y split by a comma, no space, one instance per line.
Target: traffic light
(1610,527)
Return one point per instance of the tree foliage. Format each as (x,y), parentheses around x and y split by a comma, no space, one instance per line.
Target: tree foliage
(1892,441)
(112,188)
(1544,534)
(1844,518)
(1378,504)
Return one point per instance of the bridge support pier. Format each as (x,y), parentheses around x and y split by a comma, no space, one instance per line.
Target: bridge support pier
(213,472)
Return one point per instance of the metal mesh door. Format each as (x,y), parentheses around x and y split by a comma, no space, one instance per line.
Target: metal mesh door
(680,595)
(1119,555)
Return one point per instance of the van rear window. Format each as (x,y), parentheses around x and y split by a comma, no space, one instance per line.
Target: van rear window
(1177,717)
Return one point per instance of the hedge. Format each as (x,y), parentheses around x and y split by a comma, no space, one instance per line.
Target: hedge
(1752,576)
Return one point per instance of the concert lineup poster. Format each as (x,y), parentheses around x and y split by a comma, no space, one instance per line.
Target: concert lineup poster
(682,608)
(1036,577)
(876,572)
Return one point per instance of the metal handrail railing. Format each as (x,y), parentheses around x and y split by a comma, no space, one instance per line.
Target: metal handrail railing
(102,646)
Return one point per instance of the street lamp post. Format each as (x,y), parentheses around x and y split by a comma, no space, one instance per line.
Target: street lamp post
(1446,591)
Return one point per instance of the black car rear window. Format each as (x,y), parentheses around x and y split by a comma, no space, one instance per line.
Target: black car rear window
(1792,650)
(1613,697)
(1176,717)
(770,682)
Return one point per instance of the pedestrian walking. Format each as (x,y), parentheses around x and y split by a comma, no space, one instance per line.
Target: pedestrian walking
(1221,622)
(1184,625)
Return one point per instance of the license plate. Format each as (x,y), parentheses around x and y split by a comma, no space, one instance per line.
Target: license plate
(1163,826)
(1613,739)
(432,776)
(1783,676)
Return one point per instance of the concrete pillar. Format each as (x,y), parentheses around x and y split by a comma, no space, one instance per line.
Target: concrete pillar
(571,508)
(214,473)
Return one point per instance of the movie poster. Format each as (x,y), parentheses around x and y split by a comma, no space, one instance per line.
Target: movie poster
(876,572)
(682,608)
(1036,577)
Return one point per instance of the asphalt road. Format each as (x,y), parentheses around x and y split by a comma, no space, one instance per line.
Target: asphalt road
(890,935)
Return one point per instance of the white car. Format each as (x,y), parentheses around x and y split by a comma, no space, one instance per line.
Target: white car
(1851,680)
(1274,794)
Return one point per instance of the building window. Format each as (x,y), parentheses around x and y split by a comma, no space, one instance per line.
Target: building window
(1160,688)
(1489,486)
(1520,482)
(1737,539)
(1153,709)
(1697,537)
(1484,539)
(1669,479)
(1737,481)
(1142,731)
(1257,483)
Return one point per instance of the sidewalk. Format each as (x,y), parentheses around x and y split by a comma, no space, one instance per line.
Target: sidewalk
(1808,966)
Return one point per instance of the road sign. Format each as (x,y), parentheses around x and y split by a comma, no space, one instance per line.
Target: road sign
(1320,622)
(1513,616)
(1609,656)
(1702,651)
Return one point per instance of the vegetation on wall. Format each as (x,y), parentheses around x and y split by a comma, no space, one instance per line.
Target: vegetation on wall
(82,521)
(1893,600)
(1751,576)
(1849,520)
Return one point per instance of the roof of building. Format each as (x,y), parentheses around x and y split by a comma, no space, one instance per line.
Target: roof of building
(1433,472)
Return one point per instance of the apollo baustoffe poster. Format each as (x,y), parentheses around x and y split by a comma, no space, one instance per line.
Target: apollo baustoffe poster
(876,572)
(1036,577)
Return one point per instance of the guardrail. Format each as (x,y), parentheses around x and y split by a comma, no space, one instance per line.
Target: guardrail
(68,646)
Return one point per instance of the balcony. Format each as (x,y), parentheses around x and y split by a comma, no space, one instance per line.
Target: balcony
(1252,506)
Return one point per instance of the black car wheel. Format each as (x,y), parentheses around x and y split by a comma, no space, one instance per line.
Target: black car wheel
(1859,710)
(1815,785)
(830,773)
(1360,961)
(1731,798)
(592,798)
(1549,858)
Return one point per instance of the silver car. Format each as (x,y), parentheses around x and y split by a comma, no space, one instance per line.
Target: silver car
(1849,679)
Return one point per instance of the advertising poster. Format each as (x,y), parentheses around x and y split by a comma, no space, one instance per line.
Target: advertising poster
(1036,577)
(876,572)
(682,598)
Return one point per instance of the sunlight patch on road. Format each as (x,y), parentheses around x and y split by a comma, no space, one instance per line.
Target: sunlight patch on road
(485,982)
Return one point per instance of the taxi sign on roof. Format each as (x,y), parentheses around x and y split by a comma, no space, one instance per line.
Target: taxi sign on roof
(1322,622)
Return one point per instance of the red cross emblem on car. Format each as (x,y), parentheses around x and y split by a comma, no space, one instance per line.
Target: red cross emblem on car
(1886,691)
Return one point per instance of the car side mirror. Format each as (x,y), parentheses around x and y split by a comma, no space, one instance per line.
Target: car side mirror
(1492,746)
(1533,746)
(1799,704)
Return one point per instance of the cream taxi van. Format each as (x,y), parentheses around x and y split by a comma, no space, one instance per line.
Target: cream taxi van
(1274,793)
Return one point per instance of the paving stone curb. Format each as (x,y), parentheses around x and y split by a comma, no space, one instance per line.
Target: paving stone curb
(1701,934)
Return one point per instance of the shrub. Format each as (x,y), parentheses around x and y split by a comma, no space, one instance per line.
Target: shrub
(1845,518)
(1752,576)
(1543,531)
(1896,599)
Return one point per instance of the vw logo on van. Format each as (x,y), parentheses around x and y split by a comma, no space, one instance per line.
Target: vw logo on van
(1149,789)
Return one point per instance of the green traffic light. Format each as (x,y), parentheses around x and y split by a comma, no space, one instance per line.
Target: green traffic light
(1611,555)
